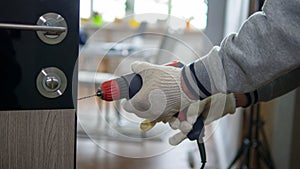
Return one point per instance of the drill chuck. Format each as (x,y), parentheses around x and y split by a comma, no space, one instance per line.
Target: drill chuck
(125,86)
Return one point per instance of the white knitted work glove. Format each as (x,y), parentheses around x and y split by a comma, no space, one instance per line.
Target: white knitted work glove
(211,109)
(161,94)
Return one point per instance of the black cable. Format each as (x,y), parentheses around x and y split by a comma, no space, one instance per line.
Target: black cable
(202,152)
(197,134)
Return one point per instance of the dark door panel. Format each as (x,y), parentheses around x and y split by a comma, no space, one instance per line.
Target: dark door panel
(24,55)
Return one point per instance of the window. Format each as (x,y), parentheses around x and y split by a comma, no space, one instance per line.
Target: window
(85,9)
(152,6)
(194,11)
(110,9)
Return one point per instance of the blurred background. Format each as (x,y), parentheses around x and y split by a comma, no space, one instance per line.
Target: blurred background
(115,33)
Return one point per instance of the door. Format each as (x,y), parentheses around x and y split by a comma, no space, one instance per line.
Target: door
(38,51)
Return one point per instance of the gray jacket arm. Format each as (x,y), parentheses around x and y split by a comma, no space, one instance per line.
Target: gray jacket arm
(276,88)
(265,48)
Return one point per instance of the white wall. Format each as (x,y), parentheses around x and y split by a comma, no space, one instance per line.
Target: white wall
(227,136)
(285,147)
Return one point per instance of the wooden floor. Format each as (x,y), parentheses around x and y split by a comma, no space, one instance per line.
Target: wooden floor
(91,156)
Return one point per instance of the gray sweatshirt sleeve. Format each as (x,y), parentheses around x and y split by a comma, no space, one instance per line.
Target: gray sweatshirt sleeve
(276,88)
(266,47)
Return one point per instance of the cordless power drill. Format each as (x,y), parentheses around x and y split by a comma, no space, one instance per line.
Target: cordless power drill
(127,86)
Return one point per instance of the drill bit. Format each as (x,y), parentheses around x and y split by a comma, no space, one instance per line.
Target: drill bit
(85,97)
(98,93)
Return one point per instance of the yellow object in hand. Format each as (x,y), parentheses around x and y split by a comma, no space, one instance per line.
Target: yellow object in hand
(146,125)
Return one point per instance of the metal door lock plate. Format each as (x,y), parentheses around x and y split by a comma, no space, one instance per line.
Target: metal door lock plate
(52,20)
(51,82)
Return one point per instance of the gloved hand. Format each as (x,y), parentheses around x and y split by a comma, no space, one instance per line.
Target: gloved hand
(161,94)
(211,109)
